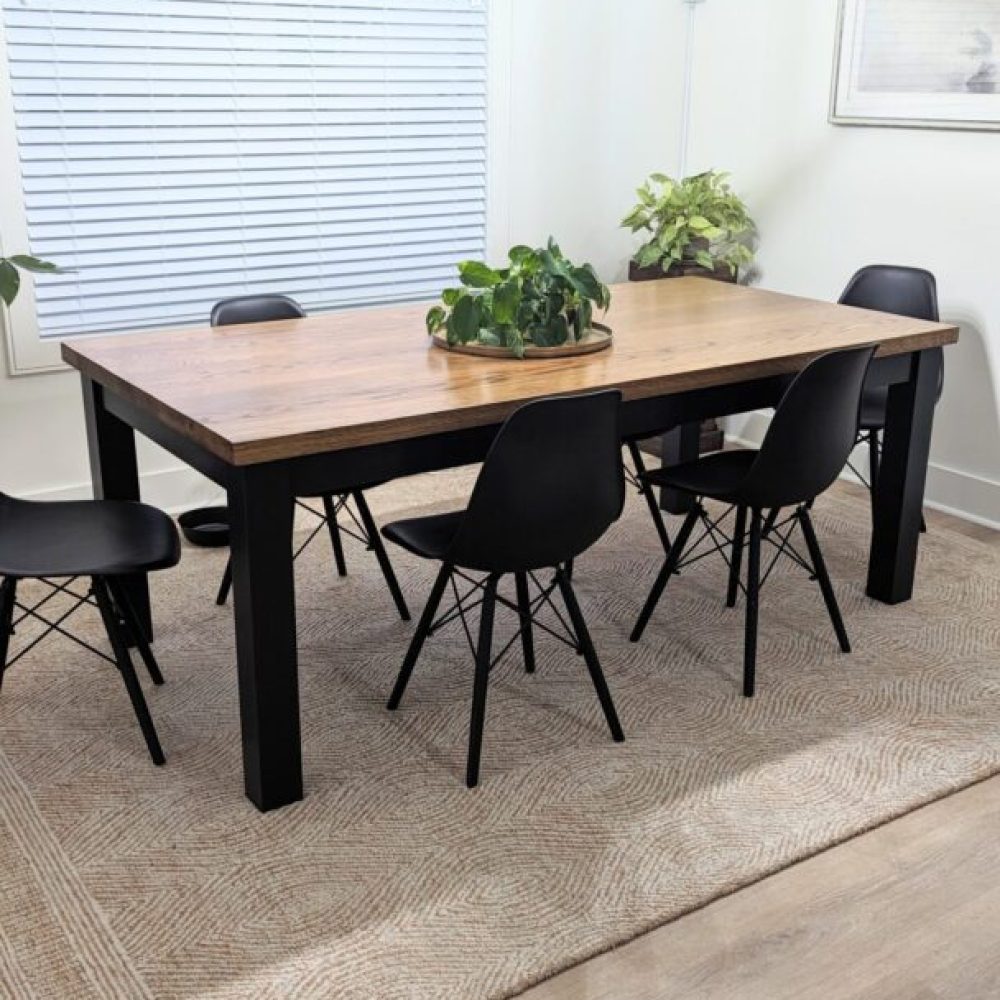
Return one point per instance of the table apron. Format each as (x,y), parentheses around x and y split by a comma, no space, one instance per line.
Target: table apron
(340,470)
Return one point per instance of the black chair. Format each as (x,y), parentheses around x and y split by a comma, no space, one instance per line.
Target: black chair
(106,540)
(812,433)
(905,291)
(551,485)
(268,308)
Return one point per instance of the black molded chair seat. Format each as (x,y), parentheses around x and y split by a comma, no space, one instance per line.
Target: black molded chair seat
(429,537)
(106,540)
(715,476)
(84,538)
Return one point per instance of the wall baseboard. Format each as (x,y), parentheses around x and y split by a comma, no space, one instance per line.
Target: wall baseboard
(962,494)
(174,490)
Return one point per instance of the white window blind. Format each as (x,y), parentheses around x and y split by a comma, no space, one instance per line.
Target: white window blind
(175,152)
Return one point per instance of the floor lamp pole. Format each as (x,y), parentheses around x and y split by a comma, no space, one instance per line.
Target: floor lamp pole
(687,86)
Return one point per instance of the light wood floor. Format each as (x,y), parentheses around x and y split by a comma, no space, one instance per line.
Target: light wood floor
(910,911)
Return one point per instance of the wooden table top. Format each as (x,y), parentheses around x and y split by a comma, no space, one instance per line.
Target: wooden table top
(268,391)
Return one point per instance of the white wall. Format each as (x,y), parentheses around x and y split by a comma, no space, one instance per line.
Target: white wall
(829,199)
(593,110)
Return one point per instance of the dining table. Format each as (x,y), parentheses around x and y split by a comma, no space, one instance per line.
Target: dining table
(301,407)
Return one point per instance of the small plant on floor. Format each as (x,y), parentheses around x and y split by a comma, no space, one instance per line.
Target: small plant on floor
(540,299)
(10,276)
(695,221)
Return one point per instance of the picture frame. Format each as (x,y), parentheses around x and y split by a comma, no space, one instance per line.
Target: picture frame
(905,65)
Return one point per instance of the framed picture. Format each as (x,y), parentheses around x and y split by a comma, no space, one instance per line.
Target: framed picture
(918,63)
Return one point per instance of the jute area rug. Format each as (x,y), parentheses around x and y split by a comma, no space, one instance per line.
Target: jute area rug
(391,880)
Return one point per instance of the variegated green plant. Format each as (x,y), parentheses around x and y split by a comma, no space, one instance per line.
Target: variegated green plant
(540,299)
(695,220)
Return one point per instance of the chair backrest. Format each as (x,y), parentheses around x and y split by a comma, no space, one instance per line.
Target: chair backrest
(813,430)
(906,291)
(255,309)
(551,485)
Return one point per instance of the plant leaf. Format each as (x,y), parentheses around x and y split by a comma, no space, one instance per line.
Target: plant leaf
(437,316)
(10,281)
(649,254)
(463,323)
(551,334)
(36,264)
(586,283)
(475,274)
(506,299)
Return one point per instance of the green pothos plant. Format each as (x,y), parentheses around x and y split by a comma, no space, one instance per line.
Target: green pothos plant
(539,299)
(10,277)
(696,220)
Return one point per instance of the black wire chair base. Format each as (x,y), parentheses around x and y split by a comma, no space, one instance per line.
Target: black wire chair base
(730,544)
(533,595)
(120,622)
(360,526)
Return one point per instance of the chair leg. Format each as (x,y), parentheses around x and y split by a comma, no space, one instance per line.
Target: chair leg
(819,567)
(134,630)
(417,642)
(569,569)
(770,521)
(8,592)
(669,566)
(737,557)
(484,651)
(874,462)
(227,583)
(590,656)
(923,525)
(524,612)
(753,593)
(649,495)
(375,540)
(124,661)
(330,509)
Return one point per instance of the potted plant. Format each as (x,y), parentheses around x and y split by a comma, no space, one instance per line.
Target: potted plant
(696,226)
(10,278)
(540,300)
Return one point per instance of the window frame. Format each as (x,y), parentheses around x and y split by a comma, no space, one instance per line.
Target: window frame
(28,353)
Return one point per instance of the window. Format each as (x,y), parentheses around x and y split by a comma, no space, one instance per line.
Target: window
(175,152)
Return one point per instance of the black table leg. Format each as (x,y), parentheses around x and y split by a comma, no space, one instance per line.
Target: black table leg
(261,507)
(115,476)
(679,445)
(901,478)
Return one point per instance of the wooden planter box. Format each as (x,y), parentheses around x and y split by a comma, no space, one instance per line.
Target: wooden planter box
(655,272)
(711,432)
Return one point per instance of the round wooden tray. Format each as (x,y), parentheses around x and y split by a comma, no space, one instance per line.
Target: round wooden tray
(597,338)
